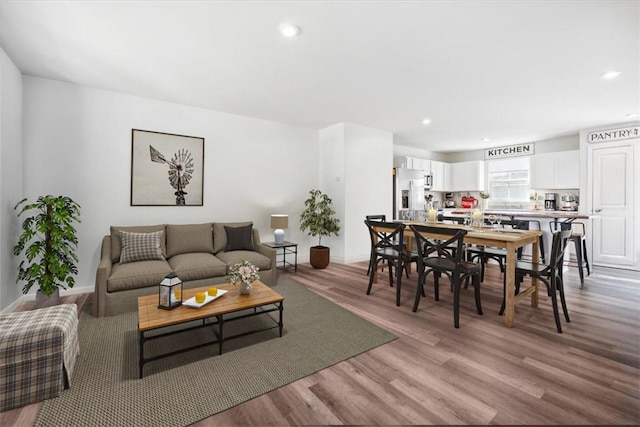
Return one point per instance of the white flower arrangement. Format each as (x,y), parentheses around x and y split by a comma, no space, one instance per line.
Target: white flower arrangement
(243,272)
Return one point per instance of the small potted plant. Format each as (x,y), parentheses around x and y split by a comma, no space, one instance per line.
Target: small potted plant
(48,243)
(245,273)
(319,220)
(485,199)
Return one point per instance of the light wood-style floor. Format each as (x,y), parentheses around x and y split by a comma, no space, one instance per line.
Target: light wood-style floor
(482,373)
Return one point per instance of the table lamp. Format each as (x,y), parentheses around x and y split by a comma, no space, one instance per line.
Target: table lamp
(279,222)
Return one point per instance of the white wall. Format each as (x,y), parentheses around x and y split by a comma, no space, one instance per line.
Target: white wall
(565,143)
(77,142)
(332,182)
(369,185)
(356,165)
(402,151)
(10,175)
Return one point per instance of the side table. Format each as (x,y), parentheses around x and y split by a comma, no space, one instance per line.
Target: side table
(287,248)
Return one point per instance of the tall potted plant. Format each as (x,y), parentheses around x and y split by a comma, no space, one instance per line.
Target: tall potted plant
(48,242)
(318,219)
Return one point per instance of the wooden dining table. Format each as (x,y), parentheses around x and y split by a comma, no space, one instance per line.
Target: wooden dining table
(509,239)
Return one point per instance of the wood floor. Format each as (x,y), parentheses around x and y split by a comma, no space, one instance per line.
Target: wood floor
(482,373)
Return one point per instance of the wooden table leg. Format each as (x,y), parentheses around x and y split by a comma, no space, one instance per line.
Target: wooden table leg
(510,273)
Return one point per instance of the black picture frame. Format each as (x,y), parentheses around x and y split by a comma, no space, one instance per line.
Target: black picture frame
(166,169)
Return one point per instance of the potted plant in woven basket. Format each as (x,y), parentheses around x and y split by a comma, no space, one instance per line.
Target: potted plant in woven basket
(48,242)
(319,220)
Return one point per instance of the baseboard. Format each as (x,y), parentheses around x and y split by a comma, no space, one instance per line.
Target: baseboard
(31,296)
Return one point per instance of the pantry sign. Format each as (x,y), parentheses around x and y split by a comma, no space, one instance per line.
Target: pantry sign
(614,134)
(510,151)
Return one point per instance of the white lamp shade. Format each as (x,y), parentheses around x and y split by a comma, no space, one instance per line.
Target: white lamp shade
(279,221)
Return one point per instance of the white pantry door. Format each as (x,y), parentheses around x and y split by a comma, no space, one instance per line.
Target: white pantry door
(613,202)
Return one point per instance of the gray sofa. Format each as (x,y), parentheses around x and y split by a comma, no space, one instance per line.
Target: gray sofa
(199,254)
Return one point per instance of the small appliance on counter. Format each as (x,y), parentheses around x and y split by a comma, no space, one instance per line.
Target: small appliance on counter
(551,201)
(469,202)
(569,202)
(449,202)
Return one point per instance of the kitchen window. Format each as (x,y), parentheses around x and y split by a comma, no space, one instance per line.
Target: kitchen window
(508,183)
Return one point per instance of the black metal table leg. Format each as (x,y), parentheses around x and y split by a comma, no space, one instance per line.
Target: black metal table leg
(141,353)
(280,323)
(221,337)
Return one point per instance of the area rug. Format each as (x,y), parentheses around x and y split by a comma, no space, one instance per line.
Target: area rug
(185,388)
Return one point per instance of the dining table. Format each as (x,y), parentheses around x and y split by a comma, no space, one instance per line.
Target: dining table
(507,238)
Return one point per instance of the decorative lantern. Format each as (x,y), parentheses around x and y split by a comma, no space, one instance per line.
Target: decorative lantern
(170,292)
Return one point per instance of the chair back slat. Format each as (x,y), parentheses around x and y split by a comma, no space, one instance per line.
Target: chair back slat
(441,248)
(386,235)
(558,246)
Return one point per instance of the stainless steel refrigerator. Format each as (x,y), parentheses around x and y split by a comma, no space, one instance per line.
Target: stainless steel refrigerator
(408,193)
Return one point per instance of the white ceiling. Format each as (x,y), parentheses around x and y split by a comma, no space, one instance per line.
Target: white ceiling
(511,71)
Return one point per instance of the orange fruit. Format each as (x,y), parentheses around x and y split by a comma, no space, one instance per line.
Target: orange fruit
(200,297)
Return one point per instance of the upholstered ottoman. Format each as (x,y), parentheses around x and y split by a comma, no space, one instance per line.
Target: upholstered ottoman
(38,351)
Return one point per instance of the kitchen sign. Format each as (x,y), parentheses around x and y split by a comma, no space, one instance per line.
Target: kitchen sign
(510,151)
(614,134)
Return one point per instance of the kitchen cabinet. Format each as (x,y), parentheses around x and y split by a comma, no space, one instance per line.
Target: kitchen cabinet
(555,171)
(416,163)
(437,170)
(467,176)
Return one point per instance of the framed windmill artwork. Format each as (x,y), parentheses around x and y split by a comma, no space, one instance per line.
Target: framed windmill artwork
(166,169)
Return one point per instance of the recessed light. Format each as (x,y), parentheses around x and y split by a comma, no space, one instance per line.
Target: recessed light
(426,122)
(633,115)
(611,74)
(485,140)
(289,30)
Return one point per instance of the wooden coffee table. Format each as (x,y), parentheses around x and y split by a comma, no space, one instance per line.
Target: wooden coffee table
(150,317)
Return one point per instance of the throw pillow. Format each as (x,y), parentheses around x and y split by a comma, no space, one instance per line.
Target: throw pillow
(116,244)
(140,246)
(220,234)
(239,238)
(189,238)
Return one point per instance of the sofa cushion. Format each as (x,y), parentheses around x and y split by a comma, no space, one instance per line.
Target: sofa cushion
(140,246)
(135,275)
(188,238)
(255,258)
(239,238)
(197,265)
(115,238)
(220,234)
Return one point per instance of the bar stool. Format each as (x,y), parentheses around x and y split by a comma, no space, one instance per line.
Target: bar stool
(579,240)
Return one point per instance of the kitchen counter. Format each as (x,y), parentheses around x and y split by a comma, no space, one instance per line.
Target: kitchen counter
(567,215)
(543,220)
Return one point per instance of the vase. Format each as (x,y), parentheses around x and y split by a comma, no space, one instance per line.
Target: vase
(43,301)
(245,288)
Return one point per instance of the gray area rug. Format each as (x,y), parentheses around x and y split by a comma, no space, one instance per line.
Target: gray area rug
(185,388)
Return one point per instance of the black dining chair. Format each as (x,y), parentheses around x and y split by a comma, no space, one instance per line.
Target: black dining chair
(550,274)
(387,245)
(485,253)
(435,256)
(380,217)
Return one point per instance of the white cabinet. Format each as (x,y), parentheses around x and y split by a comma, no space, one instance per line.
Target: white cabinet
(555,171)
(467,176)
(437,170)
(568,169)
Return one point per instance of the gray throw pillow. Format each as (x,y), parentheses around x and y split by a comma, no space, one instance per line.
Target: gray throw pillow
(140,246)
(239,238)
